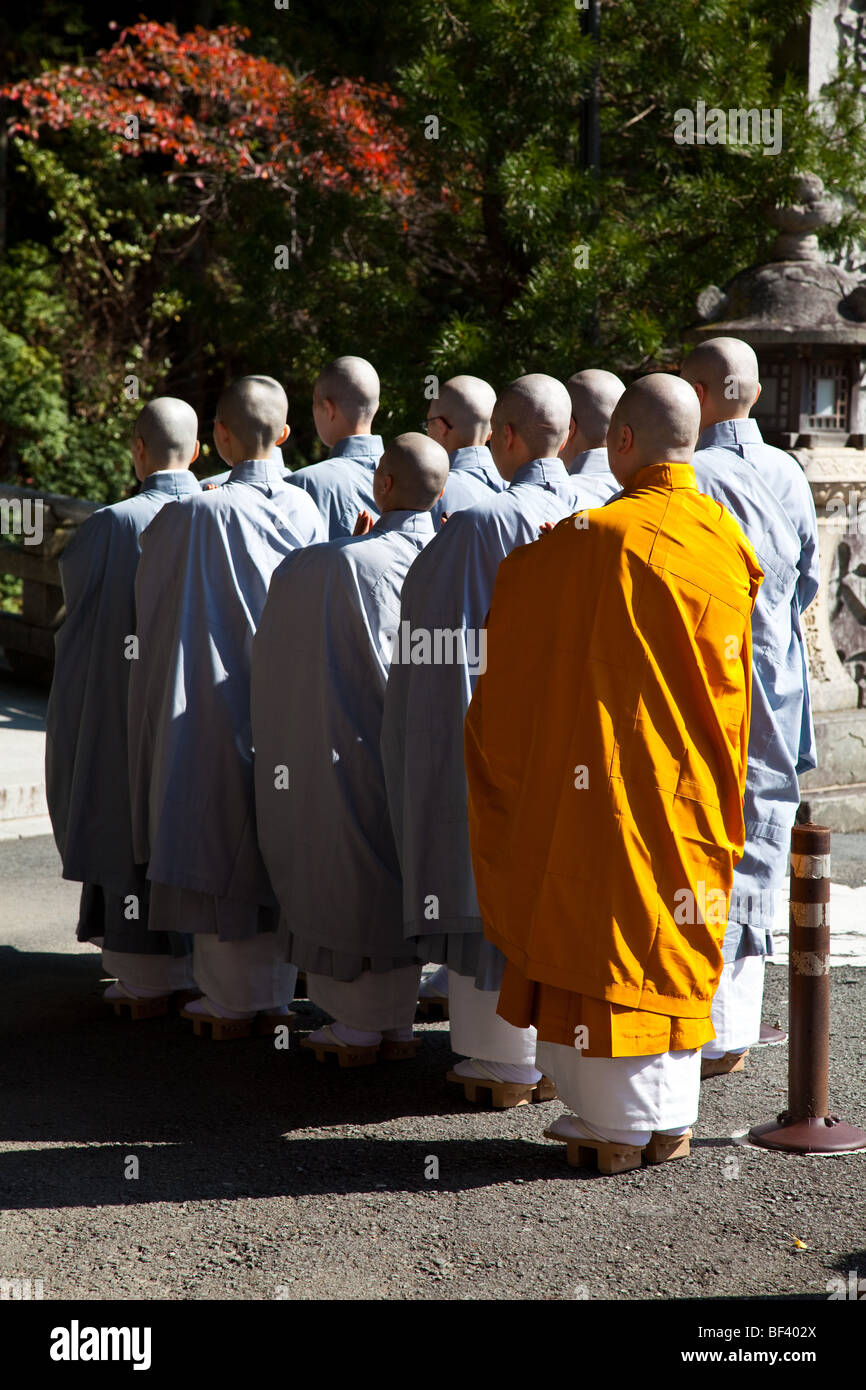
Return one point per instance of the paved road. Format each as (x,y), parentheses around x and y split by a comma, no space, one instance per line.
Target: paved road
(263,1175)
(23,809)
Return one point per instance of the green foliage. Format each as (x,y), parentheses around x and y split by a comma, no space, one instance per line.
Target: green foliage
(10,594)
(123,266)
(32,408)
(78,315)
(661,222)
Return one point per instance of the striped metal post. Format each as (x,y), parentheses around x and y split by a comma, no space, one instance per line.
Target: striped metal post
(807,1125)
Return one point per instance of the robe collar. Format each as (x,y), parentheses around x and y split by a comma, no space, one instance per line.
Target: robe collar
(589,462)
(365,448)
(263,472)
(546,473)
(730,434)
(667,475)
(418,524)
(179,482)
(470,456)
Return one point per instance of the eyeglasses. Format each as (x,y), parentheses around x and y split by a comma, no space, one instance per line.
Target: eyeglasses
(430,419)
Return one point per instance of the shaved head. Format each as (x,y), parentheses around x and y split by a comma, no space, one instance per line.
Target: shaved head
(531,420)
(254,409)
(165,436)
(594,394)
(724,372)
(352,385)
(466,402)
(418,467)
(657,420)
(168,428)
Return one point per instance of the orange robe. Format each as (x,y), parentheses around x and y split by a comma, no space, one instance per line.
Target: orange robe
(606,761)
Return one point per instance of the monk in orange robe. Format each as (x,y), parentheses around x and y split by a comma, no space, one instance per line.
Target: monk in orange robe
(606,761)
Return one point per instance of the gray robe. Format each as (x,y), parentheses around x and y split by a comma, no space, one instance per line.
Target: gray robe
(217,479)
(472,477)
(342,484)
(592,470)
(766,490)
(201,587)
(86,733)
(320,663)
(449,589)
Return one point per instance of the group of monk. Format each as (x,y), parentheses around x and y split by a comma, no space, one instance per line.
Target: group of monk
(523,696)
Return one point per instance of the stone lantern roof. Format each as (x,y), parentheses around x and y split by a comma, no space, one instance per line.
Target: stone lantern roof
(797,297)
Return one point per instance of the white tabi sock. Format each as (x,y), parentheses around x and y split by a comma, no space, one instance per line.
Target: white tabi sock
(575,1127)
(119,990)
(498,1071)
(147,976)
(435,985)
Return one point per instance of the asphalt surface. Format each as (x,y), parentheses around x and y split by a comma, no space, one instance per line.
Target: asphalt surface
(263,1175)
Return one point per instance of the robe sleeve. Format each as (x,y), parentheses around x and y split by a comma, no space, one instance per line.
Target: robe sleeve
(809,567)
(82,570)
(745,722)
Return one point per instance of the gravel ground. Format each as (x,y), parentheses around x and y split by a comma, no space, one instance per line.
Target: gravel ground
(264,1175)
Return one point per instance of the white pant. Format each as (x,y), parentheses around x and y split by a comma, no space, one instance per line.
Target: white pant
(371,1003)
(153,974)
(244,976)
(626,1098)
(736,1010)
(478,1031)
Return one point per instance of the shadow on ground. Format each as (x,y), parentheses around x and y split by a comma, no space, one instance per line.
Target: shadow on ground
(222,1120)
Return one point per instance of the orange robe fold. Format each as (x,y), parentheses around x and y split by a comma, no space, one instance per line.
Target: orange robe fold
(606,761)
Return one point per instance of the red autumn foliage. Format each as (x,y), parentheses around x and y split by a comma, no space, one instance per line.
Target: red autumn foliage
(210,108)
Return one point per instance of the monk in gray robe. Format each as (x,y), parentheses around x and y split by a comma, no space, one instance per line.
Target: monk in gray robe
(594,396)
(448,592)
(217,479)
(320,663)
(459,419)
(345,400)
(201,587)
(766,491)
(86,730)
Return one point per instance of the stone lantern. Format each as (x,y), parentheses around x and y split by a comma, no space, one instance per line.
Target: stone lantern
(806,319)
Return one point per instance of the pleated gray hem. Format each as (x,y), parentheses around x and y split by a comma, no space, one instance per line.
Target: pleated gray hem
(467,953)
(102,919)
(230,919)
(338,965)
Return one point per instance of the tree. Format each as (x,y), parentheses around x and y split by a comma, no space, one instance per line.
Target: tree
(166,165)
(549,269)
(257,216)
(201,101)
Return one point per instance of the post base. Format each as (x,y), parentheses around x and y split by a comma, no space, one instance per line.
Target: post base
(808,1135)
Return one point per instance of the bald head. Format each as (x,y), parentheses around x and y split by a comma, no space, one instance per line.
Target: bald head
(165,436)
(531,420)
(411,474)
(594,394)
(724,373)
(655,421)
(253,410)
(345,398)
(462,412)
